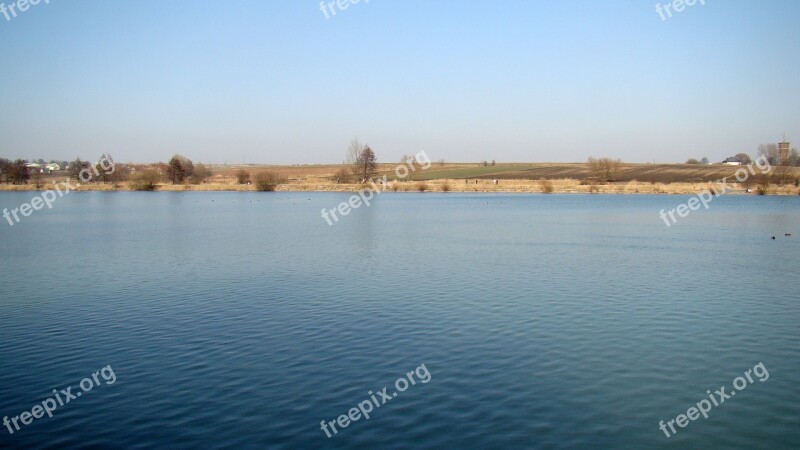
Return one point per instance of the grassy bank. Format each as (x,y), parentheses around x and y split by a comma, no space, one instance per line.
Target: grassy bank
(562,186)
(520,178)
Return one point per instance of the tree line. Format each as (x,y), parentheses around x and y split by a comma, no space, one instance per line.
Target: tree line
(769,151)
(14,172)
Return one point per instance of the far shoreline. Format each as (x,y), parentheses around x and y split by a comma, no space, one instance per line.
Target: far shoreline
(475,186)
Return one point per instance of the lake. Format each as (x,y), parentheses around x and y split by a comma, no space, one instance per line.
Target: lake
(543,321)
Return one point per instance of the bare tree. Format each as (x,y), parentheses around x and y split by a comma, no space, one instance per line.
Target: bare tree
(366,164)
(604,169)
(180,169)
(20,174)
(353,151)
(37,178)
(75,168)
(6,167)
(770,151)
(105,168)
(175,171)
(186,164)
(743,158)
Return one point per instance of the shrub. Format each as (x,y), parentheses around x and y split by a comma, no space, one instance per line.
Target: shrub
(446,186)
(343,175)
(546,185)
(200,175)
(242,176)
(268,181)
(605,169)
(146,181)
(422,186)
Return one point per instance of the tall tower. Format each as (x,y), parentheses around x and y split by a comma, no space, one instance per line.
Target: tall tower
(783,151)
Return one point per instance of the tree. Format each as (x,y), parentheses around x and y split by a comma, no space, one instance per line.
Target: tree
(705,161)
(692,161)
(493,163)
(75,168)
(743,158)
(175,171)
(794,158)
(366,164)
(37,178)
(186,165)
(122,172)
(604,169)
(242,176)
(180,169)
(353,151)
(770,151)
(105,168)
(19,172)
(5,170)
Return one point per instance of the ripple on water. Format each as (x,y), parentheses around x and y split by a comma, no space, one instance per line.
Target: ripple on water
(545,322)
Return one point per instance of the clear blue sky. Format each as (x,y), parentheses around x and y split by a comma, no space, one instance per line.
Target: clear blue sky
(276,82)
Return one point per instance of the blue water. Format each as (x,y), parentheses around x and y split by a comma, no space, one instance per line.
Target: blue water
(238,320)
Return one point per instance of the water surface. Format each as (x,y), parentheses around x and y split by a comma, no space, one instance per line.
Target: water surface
(243,320)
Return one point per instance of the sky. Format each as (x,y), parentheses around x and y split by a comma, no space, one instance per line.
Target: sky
(276,82)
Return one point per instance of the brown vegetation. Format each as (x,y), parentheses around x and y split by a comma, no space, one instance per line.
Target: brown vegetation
(268,181)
